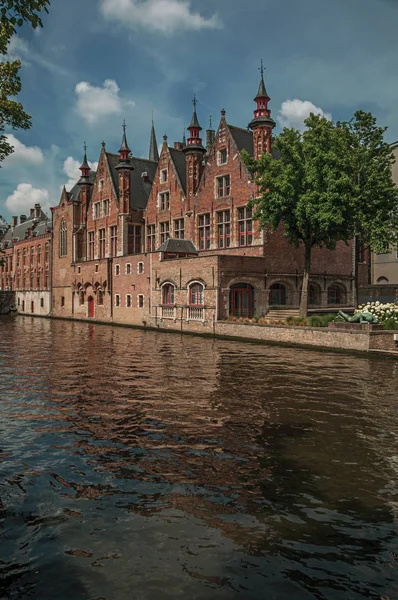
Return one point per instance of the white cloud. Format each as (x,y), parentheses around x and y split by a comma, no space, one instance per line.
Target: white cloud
(25,197)
(94,103)
(28,155)
(166,16)
(71,169)
(294,112)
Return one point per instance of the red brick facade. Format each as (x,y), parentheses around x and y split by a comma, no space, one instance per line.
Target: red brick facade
(107,231)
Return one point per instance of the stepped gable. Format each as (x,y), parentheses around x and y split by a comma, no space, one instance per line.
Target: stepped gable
(179,160)
(140,186)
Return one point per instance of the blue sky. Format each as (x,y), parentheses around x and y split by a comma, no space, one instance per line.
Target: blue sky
(96,62)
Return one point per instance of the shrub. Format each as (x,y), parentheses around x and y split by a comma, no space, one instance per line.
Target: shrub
(321,320)
(390,324)
(298,321)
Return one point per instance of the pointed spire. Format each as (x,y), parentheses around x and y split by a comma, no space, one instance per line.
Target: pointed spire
(194,120)
(262,92)
(124,152)
(85,169)
(184,139)
(84,164)
(153,146)
(124,147)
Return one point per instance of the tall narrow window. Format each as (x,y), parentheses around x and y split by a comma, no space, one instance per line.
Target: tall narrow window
(224,229)
(164,201)
(97,210)
(47,280)
(179,229)
(38,280)
(32,275)
(62,239)
(106,208)
(134,239)
(168,294)
(204,232)
(164,232)
(128,300)
(91,245)
(223,186)
(47,254)
(245,226)
(39,256)
(24,257)
(113,234)
(196,294)
(151,238)
(101,243)
(18,258)
(32,256)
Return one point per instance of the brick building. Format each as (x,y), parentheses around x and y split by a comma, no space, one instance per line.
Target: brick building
(170,239)
(26,261)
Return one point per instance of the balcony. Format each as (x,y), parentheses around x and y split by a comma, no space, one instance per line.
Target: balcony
(195,313)
(168,312)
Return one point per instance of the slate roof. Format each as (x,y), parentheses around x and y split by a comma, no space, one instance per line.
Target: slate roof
(39,228)
(139,188)
(74,193)
(179,161)
(176,246)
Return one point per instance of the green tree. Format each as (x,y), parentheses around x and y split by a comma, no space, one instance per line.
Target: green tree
(13,14)
(303,190)
(374,196)
(332,183)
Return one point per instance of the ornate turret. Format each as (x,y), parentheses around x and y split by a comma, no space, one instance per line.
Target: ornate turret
(262,124)
(124,152)
(194,152)
(194,141)
(85,169)
(153,147)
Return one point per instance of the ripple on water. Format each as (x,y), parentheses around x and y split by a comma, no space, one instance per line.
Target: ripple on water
(157,466)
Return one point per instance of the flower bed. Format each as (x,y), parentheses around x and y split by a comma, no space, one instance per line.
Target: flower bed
(386,314)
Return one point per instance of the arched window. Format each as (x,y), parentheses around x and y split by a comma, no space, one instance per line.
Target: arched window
(196,294)
(81,297)
(382,280)
(168,294)
(62,239)
(278,294)
(241,300)
(336,294)
(100,297)
(314,294)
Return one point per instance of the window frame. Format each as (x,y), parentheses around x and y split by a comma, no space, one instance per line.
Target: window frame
(196,291)
(164,204)
(168,294)
(204,231)
(224,229)
(245,226)
(223,190)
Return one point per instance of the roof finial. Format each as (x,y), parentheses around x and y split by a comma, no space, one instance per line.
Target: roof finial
(194,101)
(85,147)
(261,68)
(210,122)
(124,125)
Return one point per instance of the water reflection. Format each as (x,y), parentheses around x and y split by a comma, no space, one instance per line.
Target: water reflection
(167,466)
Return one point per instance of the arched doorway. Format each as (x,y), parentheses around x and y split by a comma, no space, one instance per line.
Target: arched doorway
(241,300)
(90,305)
(278,294)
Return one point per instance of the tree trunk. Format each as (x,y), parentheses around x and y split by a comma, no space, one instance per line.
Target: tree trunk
(356,269)
(306,279)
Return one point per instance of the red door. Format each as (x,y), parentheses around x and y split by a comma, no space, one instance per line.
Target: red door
(90,301)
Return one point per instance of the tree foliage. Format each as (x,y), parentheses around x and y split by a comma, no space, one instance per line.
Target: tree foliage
(13,14)
(330,184)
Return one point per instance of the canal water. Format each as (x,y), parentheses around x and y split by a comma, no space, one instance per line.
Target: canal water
(144,465)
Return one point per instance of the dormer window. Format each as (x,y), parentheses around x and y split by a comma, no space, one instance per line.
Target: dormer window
(163,176)
(222,156)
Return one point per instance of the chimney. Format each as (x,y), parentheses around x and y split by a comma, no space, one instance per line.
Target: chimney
(32,214)
(14,222)
(37,211)
(22,219)
(178,145)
